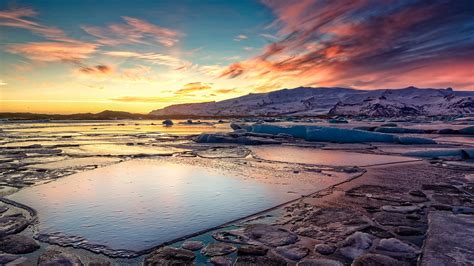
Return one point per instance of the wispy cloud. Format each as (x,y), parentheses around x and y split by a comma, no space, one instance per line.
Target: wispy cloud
(3,83)
(154,58)
(140,99)
(54,51)
(22,18)
(340,42)
(240,37)
(194,87)
(98,69)
(134,30)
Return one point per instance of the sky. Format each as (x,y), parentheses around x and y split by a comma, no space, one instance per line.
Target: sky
(88,56)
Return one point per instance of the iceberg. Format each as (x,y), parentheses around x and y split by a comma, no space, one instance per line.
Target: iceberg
(415,140)
(333,134)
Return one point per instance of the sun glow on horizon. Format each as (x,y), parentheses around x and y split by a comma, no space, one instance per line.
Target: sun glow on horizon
(88,56)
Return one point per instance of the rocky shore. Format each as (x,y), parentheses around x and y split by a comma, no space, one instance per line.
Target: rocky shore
(403,214)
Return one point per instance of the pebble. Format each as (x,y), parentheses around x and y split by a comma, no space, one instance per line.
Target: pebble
(221,261)
(170,256)
(324,249)
(293,252)
(18,244)
(319,262)
(55,257)
(192,245)
(252,250)
(218,249)
(376,259)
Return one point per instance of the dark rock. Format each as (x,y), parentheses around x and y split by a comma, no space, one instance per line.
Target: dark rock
(324,249)
(53,257)
(167,122)
(221,261)
(377,231)
(293,252)
(356,244)
(442,188)
(397,246)
(400,209)
(10,259)
(99,263)
(192,245)
(408,231)
(269,260)
(170,256)
(12,224)
(448,131)
(394,219)
(417,193)
(270,235)
(218,249)
(319,262)
(3,208)
(414,217)
(441,207)
(18,244)
(252,250)
(377,260)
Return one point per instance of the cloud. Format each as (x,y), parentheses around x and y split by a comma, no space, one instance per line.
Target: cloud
(225,91)
(240,37)
(233,71)
(96,70)
(21,18)
(54,51)
(338,42)
(194,87)
(140,99)
(3,83)
(154,58)
(133,30)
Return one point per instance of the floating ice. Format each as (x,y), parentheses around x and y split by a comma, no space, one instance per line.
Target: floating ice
(332,134)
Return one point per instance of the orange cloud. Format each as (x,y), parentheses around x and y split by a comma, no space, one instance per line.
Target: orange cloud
(98,69)
(54,51)
(334,44)
(133,31)
(193,87)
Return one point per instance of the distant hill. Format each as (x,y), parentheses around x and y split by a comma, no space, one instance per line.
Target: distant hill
(308,101)
(104,115)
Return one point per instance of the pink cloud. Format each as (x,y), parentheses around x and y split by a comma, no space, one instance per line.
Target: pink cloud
(361,42)
(54,51)
(21,18)
(133,31)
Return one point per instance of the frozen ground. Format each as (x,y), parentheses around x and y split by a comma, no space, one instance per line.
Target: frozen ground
(109,191)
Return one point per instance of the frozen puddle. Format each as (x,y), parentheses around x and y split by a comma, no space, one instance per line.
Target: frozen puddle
(307,155)
(139,204)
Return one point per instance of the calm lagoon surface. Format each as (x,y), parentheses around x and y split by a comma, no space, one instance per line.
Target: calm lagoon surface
(139,204)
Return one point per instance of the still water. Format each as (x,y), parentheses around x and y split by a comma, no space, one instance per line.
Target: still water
(139,204)
(293,154)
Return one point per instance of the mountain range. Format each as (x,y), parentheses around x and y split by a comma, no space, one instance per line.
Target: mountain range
(307,101)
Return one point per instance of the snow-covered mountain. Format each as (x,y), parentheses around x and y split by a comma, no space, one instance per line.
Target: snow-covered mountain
(334,101)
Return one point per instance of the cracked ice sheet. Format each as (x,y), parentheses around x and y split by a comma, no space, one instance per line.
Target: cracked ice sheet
(450,239)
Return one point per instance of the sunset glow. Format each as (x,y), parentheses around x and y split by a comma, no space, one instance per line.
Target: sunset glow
(89,56)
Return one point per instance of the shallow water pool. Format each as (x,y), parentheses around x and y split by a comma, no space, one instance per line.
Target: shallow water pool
(293,154)
(139,204)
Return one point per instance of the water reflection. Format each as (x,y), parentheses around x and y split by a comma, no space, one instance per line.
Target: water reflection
(293,154)
(141,203)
